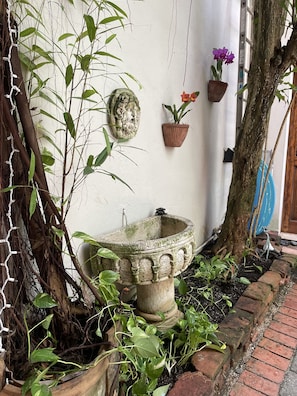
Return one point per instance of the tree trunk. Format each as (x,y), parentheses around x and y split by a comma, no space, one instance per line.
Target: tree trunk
(269,62)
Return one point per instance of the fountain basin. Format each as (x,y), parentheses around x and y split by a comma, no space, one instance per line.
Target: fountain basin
(151,252)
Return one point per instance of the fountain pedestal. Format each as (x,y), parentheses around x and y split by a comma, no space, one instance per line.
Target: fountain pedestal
(156,304)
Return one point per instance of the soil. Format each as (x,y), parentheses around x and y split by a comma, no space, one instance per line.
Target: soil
(216,306)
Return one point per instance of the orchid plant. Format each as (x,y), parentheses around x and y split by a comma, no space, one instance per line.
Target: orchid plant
(179,113)
(221,56)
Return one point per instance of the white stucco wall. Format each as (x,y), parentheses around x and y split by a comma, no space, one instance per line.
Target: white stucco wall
(167,45)
(168,48)
(278,142)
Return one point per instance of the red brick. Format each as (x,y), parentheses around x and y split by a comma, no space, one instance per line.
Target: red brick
(241,389)
(293,292)
(231,337)
(271,358)
(289,258)
(280,338)
(284,329)
(281,267)
(192,384)
(259,291)
(271,373)
(276,347)
(271,278)
(238,320)
(287,320)
(290,302)
(210,362)
(260,384)
(292,296)
(255,307)
(288,311)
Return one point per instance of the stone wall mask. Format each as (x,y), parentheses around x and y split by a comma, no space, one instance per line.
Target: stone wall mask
(123,113)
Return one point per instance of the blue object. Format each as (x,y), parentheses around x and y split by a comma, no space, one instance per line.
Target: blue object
(268,201)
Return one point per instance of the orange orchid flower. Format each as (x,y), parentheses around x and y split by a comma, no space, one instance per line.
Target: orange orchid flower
(179,113)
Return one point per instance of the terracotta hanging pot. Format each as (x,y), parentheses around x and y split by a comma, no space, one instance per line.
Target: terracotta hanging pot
(216,90)
(174,134)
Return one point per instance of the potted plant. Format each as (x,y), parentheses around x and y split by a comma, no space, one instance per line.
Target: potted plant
(49,328)
(217,87)
(174,133)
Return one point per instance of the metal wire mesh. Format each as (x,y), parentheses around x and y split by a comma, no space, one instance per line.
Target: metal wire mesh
(5,243)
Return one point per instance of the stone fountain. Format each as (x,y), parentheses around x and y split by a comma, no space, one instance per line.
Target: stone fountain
(151,253)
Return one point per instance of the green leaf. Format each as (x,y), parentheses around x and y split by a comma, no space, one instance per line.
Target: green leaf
(161,391)
(88,170)
(44,300)
(42,53)
(147,345)
(85,237)
(107,253)
(47,321)
(58,232)
(101,157)
(182,287)
(91,28)
(108,277)
(27,62)
(33,202)
(98,332)
(70,124)
(87,93)
(155,367)
(38,389)
(47,98)
(140,386)
(47,157)
(244,280)
(259,268)
(85,62)
(65,36)
(117,8)
(48,115)
(107,141)
(110,38)
(103,53)
(69,75)
(31,167)
(27,32)
(90,160)
(107,20)
(115,177)
(43,355)
(10,188)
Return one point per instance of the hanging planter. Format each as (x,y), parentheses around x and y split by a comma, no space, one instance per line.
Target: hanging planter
(174,134)
(216,90)
(216,87)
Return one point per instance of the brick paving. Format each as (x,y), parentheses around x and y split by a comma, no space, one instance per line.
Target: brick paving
(270,371)
(269,349)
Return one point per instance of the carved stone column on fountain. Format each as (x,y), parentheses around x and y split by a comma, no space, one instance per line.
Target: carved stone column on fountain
(151,252)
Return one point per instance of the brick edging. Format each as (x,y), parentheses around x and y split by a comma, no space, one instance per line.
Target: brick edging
(237,331)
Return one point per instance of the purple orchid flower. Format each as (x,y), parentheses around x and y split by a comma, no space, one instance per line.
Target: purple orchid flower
(221,55)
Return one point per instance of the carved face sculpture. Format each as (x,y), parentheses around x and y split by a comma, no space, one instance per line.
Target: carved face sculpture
(124,113)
